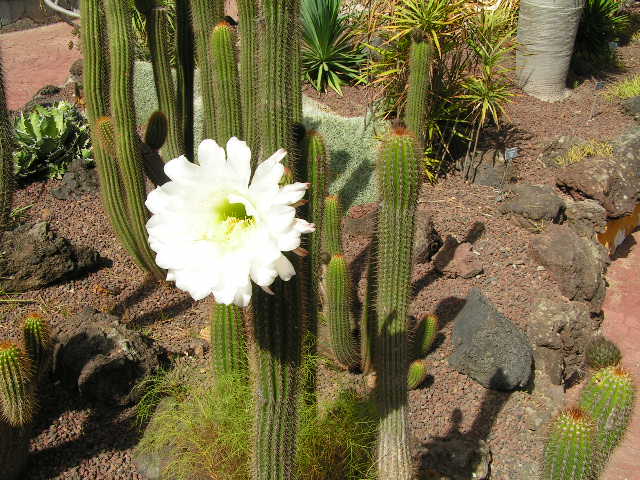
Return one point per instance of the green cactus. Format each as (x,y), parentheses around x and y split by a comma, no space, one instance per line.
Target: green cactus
(157,31)
(317,172)
(6,156)
(185,66)
(399,184)
(608,398)
(418,371)
(225,82)
(229,353)
(205,15)
(331,223)
(337,311)
(157,129)
(418,87)
(16,394)
(425,335)
(249,73)
(601,353)
(570,448)
(37,341)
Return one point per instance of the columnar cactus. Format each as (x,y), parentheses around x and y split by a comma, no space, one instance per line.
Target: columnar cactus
(6,156)
(185,66)
(36,340)
(229,353)
(331,225)
(418,88)
(570,448)
(418,371)
(608,398)
(16,373)
(249,73)
(425,335)
(399,184)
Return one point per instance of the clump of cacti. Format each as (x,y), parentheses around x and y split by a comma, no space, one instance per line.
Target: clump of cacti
(570,448)
(601,353)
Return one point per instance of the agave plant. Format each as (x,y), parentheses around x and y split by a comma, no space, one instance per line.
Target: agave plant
(329,55)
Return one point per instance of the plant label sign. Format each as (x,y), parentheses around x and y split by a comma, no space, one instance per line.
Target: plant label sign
(613,45)
(510,153)
(599,85)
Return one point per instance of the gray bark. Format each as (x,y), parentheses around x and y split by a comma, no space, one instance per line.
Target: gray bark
(546,35)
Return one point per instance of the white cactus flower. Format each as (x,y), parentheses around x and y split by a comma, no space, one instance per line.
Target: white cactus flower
(214,231)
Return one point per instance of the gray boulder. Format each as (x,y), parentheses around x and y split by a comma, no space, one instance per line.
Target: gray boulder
(104,359)
(35,257)
(80,178)
(560,331)
(533,206)
(577,264)
(489,347)
(488,168)
(631,106)
(587,217)
(456,458)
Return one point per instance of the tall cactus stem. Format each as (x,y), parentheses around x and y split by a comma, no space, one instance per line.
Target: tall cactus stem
(16,394)
(157,31)
(205,15)
(6,155)
(249,73)
(37,341)
(399,183)
(338,312)
(157,129)
(418,88)
(418,371)
(568,453)
(425,335)
(228,347)
(331,225)
(225,81)
(127,142)
(95,71)
(185,71)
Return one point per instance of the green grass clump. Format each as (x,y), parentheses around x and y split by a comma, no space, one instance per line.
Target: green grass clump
(577,153)
(627,88)
(210,425)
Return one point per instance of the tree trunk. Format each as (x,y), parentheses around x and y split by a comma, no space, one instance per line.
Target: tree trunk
(546,34)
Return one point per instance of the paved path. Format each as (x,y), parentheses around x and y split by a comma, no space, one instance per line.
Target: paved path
(622,325)
(35,58)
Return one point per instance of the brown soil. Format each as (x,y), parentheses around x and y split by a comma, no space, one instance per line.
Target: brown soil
(74,439)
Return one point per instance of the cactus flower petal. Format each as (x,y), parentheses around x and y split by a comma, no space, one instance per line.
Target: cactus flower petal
(215,232)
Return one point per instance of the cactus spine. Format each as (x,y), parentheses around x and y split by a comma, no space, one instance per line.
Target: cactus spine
(16,396)
(568,453)
(608,398)
(331,225)
(227,340)
(399,182)
(206,13)
(185,67)
(418,87)
(6,156)
(225,81)
(338,311)
(157,28)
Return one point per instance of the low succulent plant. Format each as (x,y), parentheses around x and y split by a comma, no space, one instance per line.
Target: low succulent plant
(601,353)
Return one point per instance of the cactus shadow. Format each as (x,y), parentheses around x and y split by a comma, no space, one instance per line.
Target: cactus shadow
(357,181)
(443,454)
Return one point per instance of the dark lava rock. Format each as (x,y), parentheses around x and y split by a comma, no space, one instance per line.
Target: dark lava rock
(79,178)
(104,359)
(457,259)
(556,149)
(533,206)
(35,256)
(587,217)
(577,264)
(488,168)
(632,106)
(614,183)
(47,96)
(14,450)
(489,347)
(560,331)
(456,458)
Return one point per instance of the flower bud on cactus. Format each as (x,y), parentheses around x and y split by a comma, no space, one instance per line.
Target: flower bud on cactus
(568,454)
(601,353)
(16,394)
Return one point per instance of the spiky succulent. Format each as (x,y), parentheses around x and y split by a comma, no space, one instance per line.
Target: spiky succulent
(601,353)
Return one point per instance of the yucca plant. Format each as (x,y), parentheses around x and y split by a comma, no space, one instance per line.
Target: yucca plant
(330,57)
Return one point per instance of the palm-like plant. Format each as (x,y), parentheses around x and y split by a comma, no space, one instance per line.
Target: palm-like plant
(329,55)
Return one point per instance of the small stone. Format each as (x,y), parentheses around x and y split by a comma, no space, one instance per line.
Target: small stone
(457,259)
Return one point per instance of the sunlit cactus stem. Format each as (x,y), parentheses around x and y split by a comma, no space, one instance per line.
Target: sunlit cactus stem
(37,341)
(337,312)
(249,74)
(225,81)
(425,335)
(418,371)
(570,448)
(228,347)
(158,33)
(418,88)
(185,67)
(331,225)
(6,155)
(16,395)
(205,15)
(399,184)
